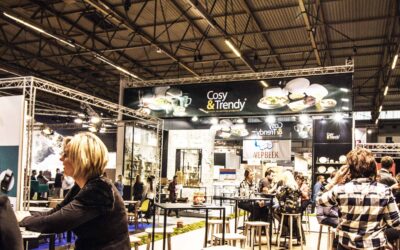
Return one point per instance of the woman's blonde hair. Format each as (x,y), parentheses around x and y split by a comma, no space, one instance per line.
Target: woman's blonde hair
(87,153)
(287,179)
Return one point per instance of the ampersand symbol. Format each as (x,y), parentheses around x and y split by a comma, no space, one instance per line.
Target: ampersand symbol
(210,104)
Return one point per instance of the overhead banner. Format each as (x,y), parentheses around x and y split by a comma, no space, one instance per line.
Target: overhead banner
(266,150)
(323,93)
(11,131)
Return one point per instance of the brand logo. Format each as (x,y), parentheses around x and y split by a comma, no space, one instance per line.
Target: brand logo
(332,136)
(217,101)
(272,130)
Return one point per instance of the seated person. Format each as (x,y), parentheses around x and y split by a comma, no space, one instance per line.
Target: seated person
(328,216)
(257,209)
(10,235)
(265,186)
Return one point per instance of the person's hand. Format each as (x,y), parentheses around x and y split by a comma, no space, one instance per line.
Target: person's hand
(265,190)
(261,203)
(341,175)
(21,215)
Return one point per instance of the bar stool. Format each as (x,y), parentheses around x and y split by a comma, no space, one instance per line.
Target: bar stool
(231,238)
(135,241)
(159,230)
(331,236)
(255,228)
(215,226)
(297,217)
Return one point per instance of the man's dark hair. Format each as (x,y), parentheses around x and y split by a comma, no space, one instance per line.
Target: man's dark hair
(268,172)
(247,173)
(386,162)
(319,177)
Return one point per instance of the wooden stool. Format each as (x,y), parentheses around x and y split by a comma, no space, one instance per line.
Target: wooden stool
(215,226)
(297,217)
(331,236)
(231,238)
(159,230)
(255,228)
(135,241)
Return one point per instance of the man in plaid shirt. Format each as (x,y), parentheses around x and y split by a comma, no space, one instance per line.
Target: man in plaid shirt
(366,208)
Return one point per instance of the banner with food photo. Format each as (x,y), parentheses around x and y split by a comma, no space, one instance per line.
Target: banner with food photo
(266,149)
(321,93)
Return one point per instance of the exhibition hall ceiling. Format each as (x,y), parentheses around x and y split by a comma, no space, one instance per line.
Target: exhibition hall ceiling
(90,44)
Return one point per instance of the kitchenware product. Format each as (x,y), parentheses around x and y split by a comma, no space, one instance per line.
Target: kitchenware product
(328,103)
(321,169)
(330,169)
(331,161)
(342,159)
(297,88)
(272,102)
(323,159)
(317,90)
(173,92)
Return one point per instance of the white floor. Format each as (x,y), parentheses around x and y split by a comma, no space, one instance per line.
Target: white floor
(194,240)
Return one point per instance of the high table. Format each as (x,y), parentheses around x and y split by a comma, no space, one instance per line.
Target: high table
(185,206)
(29,235)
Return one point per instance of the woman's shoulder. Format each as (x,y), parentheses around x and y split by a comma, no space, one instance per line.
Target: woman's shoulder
(97,192)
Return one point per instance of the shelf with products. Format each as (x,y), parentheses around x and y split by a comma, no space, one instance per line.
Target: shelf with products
(188,166)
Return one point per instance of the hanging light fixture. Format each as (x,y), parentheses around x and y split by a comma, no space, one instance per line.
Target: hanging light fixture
(232,47)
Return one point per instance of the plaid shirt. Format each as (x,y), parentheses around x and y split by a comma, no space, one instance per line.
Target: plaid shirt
(365,210)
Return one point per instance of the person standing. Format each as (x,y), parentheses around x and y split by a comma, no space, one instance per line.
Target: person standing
(41,178)
(58,183)
(138,189)
(33,176)
(93,209)
(317,186)
(172,194)
(119,185)
(366,207)
(385,177)
(10,235)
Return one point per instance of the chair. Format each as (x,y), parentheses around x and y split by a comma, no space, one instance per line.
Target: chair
(297,217)
(39,188)
(331,236)
(135,241)
(159,230)
(231,238)
(215,226)
(221,248)
(255,228)
(144,207)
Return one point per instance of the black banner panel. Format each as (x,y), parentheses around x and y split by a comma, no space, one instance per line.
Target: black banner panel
(324,93)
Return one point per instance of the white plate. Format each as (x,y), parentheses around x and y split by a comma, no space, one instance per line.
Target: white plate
(317,90)
(298,85)
(323,159)
(342,159)
(272,102)
(330,170)
(275,92)
(321,169)
(328,103)
(298,106)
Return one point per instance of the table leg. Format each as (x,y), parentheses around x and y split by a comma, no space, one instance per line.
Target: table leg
(271,217)
(164,228)
(154,227)
(223,225)
(205,237)
(52,242)
(236,209)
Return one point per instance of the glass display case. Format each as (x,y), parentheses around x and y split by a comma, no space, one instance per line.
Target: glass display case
(188,162)
(140,154)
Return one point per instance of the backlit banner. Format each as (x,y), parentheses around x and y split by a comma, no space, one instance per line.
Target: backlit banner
(266,149)
(323,93)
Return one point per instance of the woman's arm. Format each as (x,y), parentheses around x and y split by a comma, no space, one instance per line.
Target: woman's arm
(68,217)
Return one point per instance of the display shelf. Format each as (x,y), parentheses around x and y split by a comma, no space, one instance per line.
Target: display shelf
(317,163)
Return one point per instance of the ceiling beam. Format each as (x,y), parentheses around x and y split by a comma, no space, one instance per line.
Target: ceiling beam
(110,13)
(258,27)
(319,9)
(310,31)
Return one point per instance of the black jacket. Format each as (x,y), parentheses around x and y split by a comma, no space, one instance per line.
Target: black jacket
(96,214)
(10,235)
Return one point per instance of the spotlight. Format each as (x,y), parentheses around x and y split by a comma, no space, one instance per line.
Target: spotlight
(345,99)
(159,51)
(47,131)
(270,119)
(195,119)
(369,131)
(81,115)
(127,4)
(338,117)
(102,130)
(93,129)
(214,121)
(240,121)
(264,83)
(344,90)
(303,118)
(345,108)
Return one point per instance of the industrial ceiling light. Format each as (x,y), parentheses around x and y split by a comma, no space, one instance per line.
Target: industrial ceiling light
(233,48)
(380,108)
(394,61)
(344,90)
(386,90)
(264,83)
(40,30)
(103,59)
(376,121)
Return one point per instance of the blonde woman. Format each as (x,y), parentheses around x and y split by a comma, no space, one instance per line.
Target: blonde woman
(93,209)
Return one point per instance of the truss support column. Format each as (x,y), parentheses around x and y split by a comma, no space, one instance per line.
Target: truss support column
(159,159)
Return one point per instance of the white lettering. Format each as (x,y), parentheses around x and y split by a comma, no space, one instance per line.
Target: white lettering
(211,95)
